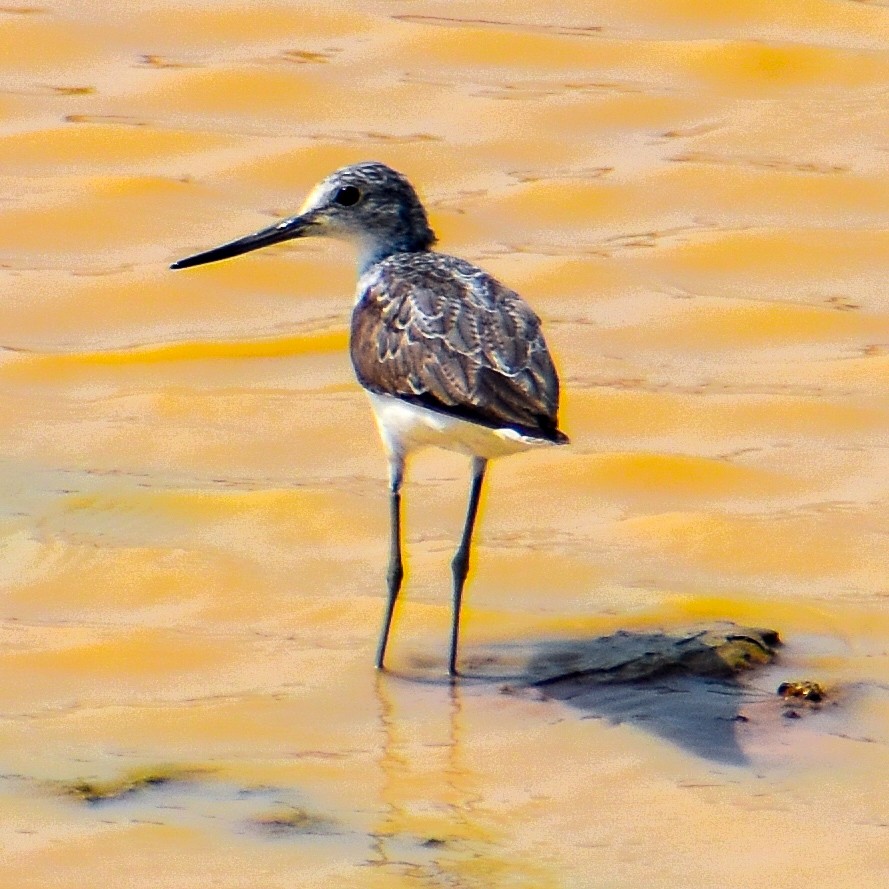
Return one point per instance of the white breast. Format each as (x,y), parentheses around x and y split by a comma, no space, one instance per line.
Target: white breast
(407,427)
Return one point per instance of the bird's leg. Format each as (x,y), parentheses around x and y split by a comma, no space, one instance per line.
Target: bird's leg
(460,563)
(396,570)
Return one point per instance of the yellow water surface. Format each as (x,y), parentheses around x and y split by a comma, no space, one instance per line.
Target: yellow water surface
(693,196)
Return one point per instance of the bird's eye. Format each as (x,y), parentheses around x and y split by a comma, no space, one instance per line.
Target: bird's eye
(347,196)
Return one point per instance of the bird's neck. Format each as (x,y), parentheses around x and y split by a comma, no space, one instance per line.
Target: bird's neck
(372,250)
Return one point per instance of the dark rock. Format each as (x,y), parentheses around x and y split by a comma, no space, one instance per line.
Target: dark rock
(803,689)
(719,651)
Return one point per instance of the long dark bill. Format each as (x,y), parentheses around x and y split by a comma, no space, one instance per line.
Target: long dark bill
(294,227)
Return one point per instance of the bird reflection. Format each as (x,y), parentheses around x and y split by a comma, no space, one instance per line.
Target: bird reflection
(427,822)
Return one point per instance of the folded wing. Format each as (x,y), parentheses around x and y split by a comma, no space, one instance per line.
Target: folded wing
(439,332)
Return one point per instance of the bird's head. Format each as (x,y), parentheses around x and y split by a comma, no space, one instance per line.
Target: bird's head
(369,204)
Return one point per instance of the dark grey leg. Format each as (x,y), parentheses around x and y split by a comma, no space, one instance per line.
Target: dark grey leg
(396,570)
(460,563)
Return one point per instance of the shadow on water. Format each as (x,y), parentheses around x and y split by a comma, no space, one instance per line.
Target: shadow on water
(686,686)
(698,715)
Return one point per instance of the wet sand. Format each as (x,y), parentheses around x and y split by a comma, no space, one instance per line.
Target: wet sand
(693,197)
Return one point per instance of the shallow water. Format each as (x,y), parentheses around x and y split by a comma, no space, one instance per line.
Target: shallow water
(692,195)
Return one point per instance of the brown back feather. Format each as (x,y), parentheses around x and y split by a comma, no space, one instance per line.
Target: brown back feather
(437,331)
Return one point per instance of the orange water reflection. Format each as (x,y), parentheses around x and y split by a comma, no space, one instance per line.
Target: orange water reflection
(691,194)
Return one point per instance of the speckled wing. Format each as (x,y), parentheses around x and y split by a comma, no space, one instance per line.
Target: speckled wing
(439,332)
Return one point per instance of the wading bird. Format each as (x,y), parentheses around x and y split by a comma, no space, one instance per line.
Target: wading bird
(449,356)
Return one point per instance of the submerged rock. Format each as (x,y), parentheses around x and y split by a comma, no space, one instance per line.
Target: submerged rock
(288,820)
(126,785)
(717,652)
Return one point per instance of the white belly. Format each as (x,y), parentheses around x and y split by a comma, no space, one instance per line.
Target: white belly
(407,427)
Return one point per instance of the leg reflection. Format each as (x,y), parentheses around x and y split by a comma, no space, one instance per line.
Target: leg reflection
(426,825)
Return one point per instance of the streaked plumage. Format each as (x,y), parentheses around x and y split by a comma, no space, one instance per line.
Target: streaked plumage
(438,332)
(449,355)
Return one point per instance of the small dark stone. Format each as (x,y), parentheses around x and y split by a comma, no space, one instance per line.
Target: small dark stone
(791,714)
(287,820)
(802,689)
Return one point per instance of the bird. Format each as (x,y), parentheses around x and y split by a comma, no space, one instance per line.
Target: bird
(449,356)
